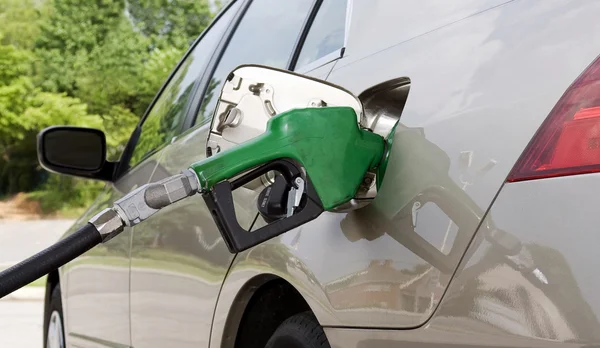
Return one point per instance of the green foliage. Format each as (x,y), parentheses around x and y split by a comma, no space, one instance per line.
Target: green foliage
(170,23)
(106,53)
(14,63)
(112,71)
(75,25)
(163,121)
(14,99)
(117,124)
(93,63)
(19,22)
(158,66)
(70,31)
(48,109)
(15,92)
(19,167)
(65,194)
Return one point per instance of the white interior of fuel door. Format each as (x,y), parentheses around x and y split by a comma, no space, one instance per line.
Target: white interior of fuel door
(253,94)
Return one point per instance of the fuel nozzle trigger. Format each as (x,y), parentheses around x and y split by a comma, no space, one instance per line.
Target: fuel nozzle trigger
(280,199)
(302,204)
(295,196)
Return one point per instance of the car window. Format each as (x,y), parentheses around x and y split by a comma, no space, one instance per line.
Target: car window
(266,35)
(326,33)
(168,113)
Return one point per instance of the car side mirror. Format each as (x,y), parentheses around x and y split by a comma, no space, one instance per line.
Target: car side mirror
(75,151)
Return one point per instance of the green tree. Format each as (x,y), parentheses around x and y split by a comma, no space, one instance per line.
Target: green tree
(20,22)
(24,110)
(15,91)
(73,25)
(117,124)
(165,118)
(113,71)
(70,31)
(93,63)
(170,23)
(156,69)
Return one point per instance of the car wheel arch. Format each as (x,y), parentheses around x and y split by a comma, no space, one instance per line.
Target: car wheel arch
(245,314)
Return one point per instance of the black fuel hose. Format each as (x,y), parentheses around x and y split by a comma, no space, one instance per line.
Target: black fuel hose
(133,208)
(130,210)
(49,259)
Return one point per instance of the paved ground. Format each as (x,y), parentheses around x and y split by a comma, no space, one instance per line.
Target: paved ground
(21,324)
(21,314)
(20,239)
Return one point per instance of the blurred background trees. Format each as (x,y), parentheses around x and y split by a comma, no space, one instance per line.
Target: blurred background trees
(92,63)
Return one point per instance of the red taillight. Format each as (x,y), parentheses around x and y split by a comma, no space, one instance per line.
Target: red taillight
(568,142)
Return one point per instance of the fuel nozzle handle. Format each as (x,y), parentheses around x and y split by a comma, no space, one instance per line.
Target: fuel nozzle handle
(327,142)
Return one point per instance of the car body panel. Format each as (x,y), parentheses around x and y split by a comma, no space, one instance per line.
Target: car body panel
(178,259)
(542,294)
(546,289)
(475,113)
(377,25)
(95,286)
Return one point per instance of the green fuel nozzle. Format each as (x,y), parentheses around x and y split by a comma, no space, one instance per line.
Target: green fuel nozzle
(326,142)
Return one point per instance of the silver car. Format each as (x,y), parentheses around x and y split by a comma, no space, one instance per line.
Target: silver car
(484,230)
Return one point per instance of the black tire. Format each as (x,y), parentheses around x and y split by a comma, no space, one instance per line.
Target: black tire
(299,331)
(55,305)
